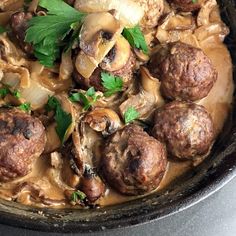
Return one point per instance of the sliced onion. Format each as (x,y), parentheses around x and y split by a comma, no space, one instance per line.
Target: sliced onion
(36,94)
(130,13)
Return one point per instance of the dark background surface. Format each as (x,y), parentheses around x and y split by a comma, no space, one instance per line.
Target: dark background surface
(215,216)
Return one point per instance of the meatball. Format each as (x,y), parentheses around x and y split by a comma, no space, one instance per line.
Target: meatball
(126,73)
(186,5)
(22,140)
(153,10)
(186,72)
(185,127)
(19,25)
(133,162)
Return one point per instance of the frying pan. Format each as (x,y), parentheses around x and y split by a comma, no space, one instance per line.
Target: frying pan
(217,170)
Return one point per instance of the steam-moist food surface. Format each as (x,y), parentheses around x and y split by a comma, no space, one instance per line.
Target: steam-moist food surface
(52,179)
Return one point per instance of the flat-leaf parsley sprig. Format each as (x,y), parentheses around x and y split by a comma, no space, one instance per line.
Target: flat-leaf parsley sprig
(47,33)
(111,83)
(62,118)
(87,99)
(136,38)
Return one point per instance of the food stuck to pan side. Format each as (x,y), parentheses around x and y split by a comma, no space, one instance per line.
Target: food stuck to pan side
(104,101)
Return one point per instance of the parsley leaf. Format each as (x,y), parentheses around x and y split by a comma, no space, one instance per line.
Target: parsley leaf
(16,94)
(25,107)
(4,92)
(62,118)
(136,38)
(88,98)
(194,1)
(2,30)
(130,115)
(47,33)
(78,195)
(111,83)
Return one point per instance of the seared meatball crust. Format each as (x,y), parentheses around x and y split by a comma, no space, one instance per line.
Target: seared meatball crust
(185,127)
(19,24)
(22,140)
(133,162)
(186,73)
(186,5)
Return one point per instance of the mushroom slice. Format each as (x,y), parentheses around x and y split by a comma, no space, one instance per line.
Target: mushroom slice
(148,99)
(130,13)
(218,29)
(14,75)
(103,120)
(9,52)
(178,22)
(98,29)
(98,35)
(203,17)
(118,57)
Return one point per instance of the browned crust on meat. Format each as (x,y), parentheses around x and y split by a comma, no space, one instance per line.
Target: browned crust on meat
(133,162)
(186,72)
(186,128)
(19,25)
(22,140)
(186,5)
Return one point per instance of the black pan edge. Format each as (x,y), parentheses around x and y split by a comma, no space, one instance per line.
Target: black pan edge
(211,177)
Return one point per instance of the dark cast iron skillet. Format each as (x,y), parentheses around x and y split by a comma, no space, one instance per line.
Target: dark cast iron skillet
(217,170)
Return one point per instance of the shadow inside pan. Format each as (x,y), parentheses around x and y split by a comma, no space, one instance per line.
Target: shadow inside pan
(213,173)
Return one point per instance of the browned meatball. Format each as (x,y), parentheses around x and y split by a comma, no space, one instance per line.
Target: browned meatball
(22,140)
(185,127)
(19,25)
(126,73)
(133,162)
(186,72)
(187,5)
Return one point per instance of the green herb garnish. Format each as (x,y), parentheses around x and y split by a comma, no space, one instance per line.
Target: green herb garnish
(78,195)
(136,38)
(47,33)
(16,94)
(4,92)
(130,115)
(87,99)
(2,30)
(25,107)
(111,83)
(62,118)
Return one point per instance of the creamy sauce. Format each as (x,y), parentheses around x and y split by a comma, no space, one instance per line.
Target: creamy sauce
(218,103)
